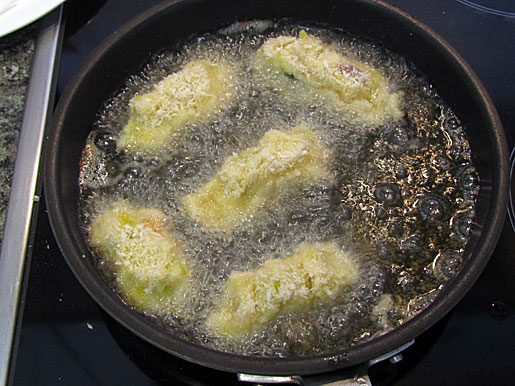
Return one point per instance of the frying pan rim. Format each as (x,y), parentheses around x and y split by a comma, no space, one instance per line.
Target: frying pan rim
(139,325)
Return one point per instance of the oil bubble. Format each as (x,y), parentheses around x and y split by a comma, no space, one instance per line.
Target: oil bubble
(105,141)
(451,124)
(401,172)
(133,172)
(462,224)
(442,162)
(468,179)
(113,169)
(395,229)
(381,213)
(399,137)
(388,193)
(456,152)
(431,208)
(447,264)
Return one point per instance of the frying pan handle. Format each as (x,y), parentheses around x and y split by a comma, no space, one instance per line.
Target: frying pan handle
(271,379)
(357,377)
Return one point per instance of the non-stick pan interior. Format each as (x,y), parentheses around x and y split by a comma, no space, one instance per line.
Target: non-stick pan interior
(166,25)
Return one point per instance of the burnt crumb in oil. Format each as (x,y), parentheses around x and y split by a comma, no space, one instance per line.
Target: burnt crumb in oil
(401,198)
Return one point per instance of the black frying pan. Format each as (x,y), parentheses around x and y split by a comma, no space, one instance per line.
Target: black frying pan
(165,25)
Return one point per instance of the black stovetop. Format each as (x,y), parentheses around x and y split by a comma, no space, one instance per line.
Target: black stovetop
(64,338)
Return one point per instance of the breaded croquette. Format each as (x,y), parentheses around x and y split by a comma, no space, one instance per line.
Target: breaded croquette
(151,272)
(246,181)
(190,95)
(352,84)
(252,299)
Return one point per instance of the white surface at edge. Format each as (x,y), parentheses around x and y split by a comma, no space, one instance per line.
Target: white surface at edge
(24,13)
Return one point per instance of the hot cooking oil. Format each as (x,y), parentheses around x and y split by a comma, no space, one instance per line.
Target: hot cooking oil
(400,198)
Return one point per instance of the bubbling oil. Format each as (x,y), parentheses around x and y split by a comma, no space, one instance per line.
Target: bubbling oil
(401,198)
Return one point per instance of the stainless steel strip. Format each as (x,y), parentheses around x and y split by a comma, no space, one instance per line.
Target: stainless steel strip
(19,210)
(270,379)
(391,354)
(358,376)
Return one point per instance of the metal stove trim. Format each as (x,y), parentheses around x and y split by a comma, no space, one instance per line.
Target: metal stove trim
(22,197)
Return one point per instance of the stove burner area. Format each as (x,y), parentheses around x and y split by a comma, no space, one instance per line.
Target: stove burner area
(504,8)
